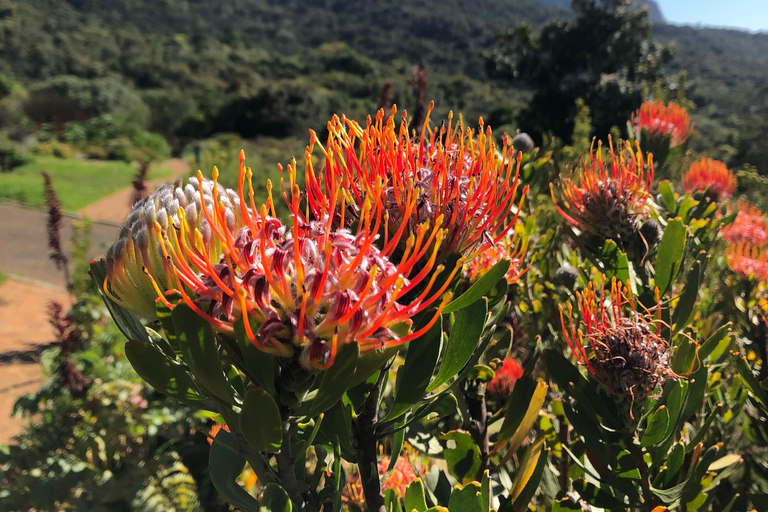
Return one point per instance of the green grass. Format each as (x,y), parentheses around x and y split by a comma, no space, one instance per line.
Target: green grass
(77,183)
(3,278)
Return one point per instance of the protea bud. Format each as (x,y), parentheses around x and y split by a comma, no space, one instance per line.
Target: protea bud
(566,276)
(608,200)
(748,261)
(189,211)
(710,177)
(453,178)
(503,382)
(302,289)
(620,346)
(523,142)
(658,120)
(750,226)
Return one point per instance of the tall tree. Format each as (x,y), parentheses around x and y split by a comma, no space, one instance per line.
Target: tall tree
(603,55)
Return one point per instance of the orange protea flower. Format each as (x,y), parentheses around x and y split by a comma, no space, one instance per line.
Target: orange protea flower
(452,177)
(748,260)
(509,248)
(402,475)
(749,226)
(609,199)
(503,382)
(303,288)
(660,120)
(711,177)
(620,346)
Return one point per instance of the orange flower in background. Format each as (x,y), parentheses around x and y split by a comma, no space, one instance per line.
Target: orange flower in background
(503,382)
(660,120)
(402,475)
(712,177)
(306,287)
(453,178)
(510,248)
(608,199)
(748,260)
(619,343)
(749,226)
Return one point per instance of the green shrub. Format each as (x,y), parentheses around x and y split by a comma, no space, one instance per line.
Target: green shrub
(10,156)
(96,153)
(120,149)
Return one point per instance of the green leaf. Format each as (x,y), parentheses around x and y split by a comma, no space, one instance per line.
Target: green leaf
(480,288)
(163,313)
(465,334)
(225,465)
(275,499)
(462,455)
(685,305)
(714,340)
(750,381)
(519,434)
(333,382)
(260,421)
(674,463)
(670,253)
(398,440)
(615,262)
(391,501)
(415,498)
(514,413)
(667,195)
(336,429)
(697,387)
(669,495)
(467,498)
(128,323)
(656,431)
(414,376)
(200,351)
(686,357)
(161,373)
(259,364)
(528,475)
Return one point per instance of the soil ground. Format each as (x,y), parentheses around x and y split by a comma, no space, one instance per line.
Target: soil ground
(34,282)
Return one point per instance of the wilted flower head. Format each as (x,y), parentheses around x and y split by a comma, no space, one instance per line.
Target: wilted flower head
(619,345)
(712,177)
(511,248)
(748,260)
(659,120)
(608,199)
(500,387)
(305,288)
(452,177)
(749,226)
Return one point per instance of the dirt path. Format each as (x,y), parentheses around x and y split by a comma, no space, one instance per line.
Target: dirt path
(24,328)
(115,207)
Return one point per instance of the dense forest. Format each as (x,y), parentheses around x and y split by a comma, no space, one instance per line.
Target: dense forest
(188,69)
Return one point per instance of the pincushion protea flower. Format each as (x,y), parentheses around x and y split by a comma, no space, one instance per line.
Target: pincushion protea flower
(620,346)
(500,387)
(453,178)
(749,226)
(509,248)
(402,475)
(748,260)
(609,199)
(711,177)
(304,288)
(659,120)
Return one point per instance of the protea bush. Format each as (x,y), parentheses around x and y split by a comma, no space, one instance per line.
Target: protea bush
(431,328)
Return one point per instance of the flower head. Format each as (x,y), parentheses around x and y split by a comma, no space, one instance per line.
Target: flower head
(749,226)
(711,177)
(609,199)
(748,260)
(302,289)
(453,178)
(619,345)
(402,475)
(511,248)
(500,387)
(659,120)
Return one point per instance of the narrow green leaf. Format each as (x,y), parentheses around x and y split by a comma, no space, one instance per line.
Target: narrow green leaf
(200,351)
(260,421)
(225,465)
(656,431)
(528,476)
(714,340)
(465,334)
(398,441)
(616,264)
(333,382)
(697,387)
(749,379)
(161,373)
(685,305)
(670,253)
(667,195)
(480,288)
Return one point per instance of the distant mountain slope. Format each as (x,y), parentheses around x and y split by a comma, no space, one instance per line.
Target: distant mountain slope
(655,14)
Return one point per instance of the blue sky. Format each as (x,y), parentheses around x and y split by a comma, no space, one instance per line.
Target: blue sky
(748,14)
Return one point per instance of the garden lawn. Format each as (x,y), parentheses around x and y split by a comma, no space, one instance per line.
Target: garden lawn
(77,183)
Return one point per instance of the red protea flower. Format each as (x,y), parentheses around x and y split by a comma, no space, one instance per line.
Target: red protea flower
(659,120)
(503,382)
(509,248)
(620,346)
(608,200)
(711,177)
(748,260)
(452,178)
(749,226)
(304,288)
